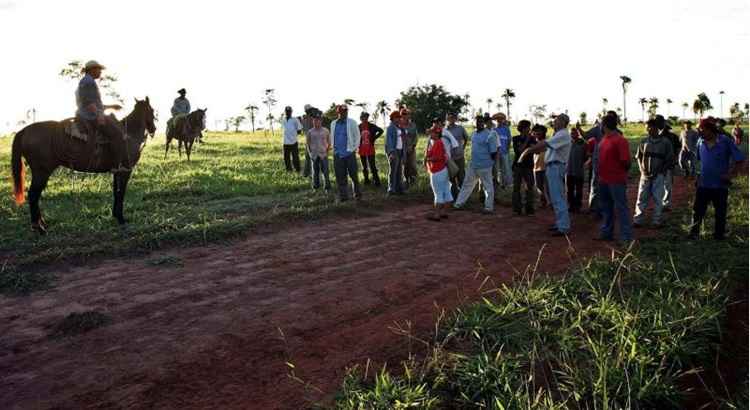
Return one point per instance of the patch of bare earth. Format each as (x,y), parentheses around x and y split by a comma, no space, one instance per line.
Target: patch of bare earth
(204,332)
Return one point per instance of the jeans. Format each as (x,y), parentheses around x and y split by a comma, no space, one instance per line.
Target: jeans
(441,187)
(504,171)
(470,181)
(594,204)
(668,180)
(649,188)
(457,180)
(688,162)
(716,196)
(368,164)
(320,165)
(523,177)
(575,192)
(395,177)
(613,198)
(556,187)
(291,156)
(345,168)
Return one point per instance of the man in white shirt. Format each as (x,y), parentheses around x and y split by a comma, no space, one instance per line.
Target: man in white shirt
(556,160)
(291,128)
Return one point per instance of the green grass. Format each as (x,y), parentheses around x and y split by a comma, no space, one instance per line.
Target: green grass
(621,332)
(233,183)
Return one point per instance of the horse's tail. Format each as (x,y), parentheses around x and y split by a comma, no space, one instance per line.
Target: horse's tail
(18,170)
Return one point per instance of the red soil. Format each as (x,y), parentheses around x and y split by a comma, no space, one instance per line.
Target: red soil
(208,334)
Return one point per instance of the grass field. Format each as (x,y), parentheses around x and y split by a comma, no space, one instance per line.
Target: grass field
(234,182)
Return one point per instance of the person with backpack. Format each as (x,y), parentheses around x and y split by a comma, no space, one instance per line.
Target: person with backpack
(654,156)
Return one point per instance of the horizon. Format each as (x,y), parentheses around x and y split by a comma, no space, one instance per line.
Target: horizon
(225,66)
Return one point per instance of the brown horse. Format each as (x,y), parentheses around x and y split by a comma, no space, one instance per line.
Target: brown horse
(46,146)
(186,129)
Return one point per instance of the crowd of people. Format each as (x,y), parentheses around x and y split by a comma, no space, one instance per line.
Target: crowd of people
(553,168)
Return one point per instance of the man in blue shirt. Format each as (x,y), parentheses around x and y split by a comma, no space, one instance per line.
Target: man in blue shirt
(345,140)
(91,112)
(483,156)
(716,152)
(504,169)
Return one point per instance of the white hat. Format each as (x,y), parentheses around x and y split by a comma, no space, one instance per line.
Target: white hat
(92,64)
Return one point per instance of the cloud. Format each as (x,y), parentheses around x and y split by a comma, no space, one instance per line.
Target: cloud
(8,5)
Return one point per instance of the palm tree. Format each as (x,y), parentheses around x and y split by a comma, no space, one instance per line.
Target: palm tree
(348,101)
(362,105)
(251,109)
(685,106)
(269,99)
(499,107)
(625,82)
(643,103)
(508,94)
(382,108)
(669,107)
(653,105)
(721,103)
(489,103)
(701,104)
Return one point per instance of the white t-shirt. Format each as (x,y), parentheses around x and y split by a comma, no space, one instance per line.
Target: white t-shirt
(291,127)
(400,140)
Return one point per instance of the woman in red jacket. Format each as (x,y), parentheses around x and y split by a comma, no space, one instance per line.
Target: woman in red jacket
(436,161)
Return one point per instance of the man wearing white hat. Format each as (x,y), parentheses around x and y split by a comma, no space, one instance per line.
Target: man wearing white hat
(91,111)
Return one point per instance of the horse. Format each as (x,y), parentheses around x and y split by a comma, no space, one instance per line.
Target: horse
(186,129)
(46,146)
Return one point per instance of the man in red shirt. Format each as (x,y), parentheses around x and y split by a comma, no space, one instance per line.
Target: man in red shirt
(612,170)
(369,132)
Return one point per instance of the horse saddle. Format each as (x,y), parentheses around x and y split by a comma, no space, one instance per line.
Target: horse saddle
(82,130)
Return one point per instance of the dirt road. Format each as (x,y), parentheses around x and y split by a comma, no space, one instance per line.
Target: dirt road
(206,334)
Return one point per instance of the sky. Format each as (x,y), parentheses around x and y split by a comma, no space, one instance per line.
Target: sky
(565,54)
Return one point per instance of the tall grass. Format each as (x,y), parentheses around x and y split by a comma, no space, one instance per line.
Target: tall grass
(620,332)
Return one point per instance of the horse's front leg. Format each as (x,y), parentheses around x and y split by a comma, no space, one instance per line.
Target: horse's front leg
(119,186)
(179,148)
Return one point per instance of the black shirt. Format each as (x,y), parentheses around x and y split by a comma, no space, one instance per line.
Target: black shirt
(520,143)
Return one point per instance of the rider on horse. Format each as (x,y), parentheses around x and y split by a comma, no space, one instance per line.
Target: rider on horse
(180,108)
(91,113)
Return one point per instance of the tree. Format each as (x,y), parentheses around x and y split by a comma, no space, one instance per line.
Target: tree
(382,109)
(701,104)
(489,102)
(237,121)
(625,82)
(747,110)
(348,101)
(653,105)
(428,101)
(73,71)
(251,110)
(508,95)
(643,103)
(269,99)
(669,107)
(735,112)
(539,112)
(499,107)
(582,118)
(362,105)
(685,106)
(721,103)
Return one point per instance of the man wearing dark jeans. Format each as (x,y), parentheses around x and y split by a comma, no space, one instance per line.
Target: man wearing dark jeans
(345,140)
(523,172)
(394,150)
(575,171)
(291,128)
(716,153)
(612,170)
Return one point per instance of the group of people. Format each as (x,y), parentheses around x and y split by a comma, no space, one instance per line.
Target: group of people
(551,168)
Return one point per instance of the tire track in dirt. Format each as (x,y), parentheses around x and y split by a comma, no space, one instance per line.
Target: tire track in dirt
(205,334)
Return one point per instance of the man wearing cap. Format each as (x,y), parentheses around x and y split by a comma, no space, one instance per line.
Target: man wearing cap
(180,108)
(688,153)
(345,139)
(91,112)
(523,171)
(291,128)
(504,174)
(394,150)
(653,155)
(666,132)
(556,154)
(457,153)
(483,156)
(369,133)
(720,160)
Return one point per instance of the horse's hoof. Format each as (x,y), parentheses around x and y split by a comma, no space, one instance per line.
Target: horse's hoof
(38,228)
